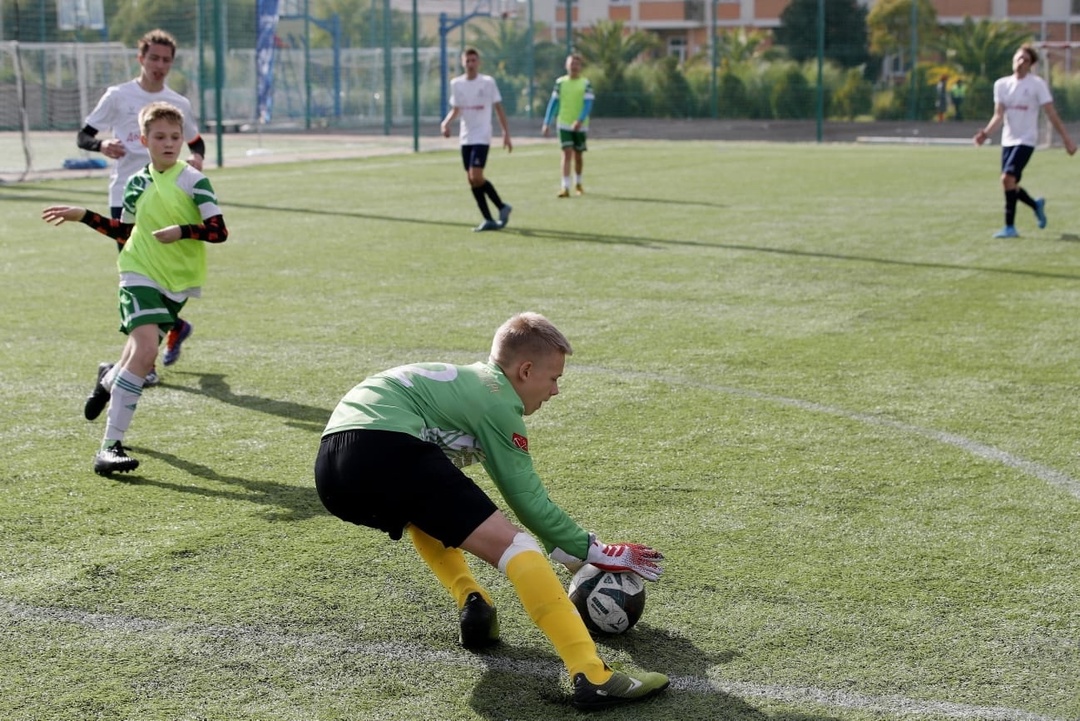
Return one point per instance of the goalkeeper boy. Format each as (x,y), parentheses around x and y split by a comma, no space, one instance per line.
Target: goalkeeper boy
(390,459)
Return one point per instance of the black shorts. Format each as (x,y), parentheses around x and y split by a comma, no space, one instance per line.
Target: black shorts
(1014,158)
(386,480)
(474,156)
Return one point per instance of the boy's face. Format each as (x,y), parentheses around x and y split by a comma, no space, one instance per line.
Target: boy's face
(538,380)
(1021,62)
(157,62)
(164,139)
(471,63)
(573,66)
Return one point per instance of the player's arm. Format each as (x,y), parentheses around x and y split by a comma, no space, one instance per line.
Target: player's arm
(1055,120)
(586,108)
(115,229)
(87,140)
(198,152)
(501,115)
(995,122)
(450,117)
(211,230)
(551,112)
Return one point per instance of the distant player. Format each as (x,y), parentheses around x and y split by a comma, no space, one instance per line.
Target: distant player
(390,459)
(170,213)
(472,98)
(1017,100)
(571,102)
(118,109)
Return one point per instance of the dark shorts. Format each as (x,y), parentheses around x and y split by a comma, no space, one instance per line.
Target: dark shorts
(474,156)
(386,480)
(1014,158)
(572,139)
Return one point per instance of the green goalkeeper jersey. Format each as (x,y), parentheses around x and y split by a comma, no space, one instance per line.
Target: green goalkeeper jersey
(474,414)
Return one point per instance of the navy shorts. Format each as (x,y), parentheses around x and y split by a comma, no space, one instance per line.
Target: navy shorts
(1014,158)
(387,480)
(474,156)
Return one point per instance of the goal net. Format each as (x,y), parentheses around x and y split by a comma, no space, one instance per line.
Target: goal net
(1056,60)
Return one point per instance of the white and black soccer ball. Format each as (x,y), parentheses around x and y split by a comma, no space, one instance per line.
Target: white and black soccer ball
(609,601)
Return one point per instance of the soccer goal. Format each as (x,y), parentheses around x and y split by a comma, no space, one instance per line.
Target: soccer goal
(1056,59)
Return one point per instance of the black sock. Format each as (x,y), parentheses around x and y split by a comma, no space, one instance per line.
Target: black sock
(1010,206)
(1024,198)
(481,201)
(490,190)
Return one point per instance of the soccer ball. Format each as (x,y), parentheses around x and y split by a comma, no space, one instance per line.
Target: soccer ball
(609,601)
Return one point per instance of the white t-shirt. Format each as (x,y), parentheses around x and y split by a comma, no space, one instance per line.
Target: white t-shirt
(1022,98)
(119,109)
(475,98)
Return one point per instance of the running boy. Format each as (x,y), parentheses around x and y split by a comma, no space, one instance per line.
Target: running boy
(390,459)
(170,211)
(118,109)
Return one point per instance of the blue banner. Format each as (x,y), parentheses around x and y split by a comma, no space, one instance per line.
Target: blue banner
(266,20)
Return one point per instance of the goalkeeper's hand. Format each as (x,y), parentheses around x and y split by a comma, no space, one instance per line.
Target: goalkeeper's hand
(636,557)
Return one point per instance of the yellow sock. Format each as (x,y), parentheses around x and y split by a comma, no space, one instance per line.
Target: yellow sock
(547,604)
(449,566)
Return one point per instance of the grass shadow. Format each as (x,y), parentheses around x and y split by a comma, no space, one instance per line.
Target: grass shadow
(213,385)
(294,503)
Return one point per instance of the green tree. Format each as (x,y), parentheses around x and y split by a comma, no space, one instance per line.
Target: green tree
(984,48)
(672,96)
(889,22)
(845,31)
(611,48)
(738,47)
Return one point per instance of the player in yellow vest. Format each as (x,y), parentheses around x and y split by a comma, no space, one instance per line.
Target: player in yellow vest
(571,102)
(170,213)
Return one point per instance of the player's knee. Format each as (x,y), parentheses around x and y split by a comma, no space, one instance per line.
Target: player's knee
(522,543)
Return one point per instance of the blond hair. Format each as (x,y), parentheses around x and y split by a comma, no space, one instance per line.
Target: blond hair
(529,336)
(159,110)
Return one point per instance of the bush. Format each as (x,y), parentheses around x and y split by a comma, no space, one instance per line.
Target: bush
(855,97)
(792,97)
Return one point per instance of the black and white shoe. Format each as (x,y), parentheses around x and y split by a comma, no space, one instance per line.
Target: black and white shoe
(114,459)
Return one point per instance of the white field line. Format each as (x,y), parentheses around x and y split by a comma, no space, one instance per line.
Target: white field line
(1046,474)
(894,706)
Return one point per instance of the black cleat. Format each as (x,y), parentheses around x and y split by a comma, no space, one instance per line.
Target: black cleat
(114,459)
(622,688)
(479,623)
(99,397)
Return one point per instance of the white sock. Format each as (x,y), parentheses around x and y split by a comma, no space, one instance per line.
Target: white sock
(109,378)
(566,182)
(577,179)
(123,398)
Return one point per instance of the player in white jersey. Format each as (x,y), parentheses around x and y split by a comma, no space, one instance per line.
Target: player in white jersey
(1017,101)
(472,98)
(118,109)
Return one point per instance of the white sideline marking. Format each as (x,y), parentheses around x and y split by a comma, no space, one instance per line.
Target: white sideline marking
(1044,473)
(545,669)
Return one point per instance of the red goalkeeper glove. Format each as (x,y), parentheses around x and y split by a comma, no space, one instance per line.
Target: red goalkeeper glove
(636,557)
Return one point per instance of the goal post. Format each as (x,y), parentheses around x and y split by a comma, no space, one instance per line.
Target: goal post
(1056,59)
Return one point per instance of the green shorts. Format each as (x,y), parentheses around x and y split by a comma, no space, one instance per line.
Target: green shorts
(143,305)
(571,139)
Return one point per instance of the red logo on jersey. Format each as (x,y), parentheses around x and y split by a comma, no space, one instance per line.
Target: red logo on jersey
(521,442)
